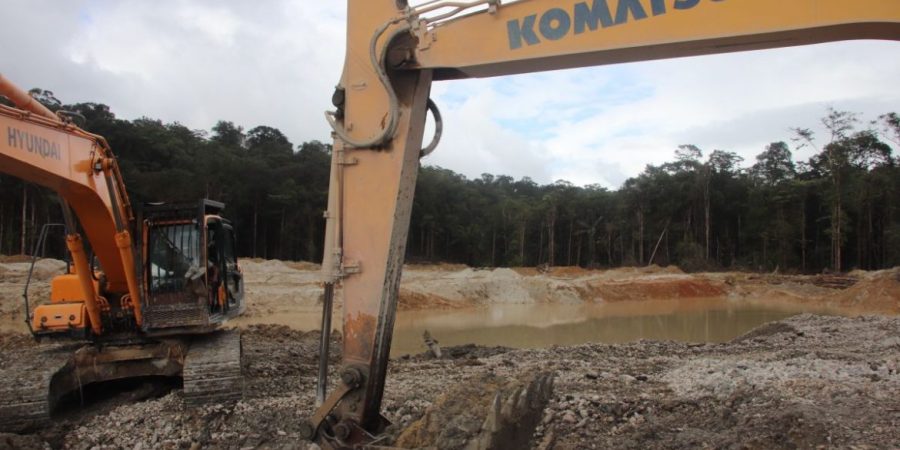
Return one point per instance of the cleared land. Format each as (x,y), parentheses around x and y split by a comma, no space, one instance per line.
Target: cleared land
(806,382)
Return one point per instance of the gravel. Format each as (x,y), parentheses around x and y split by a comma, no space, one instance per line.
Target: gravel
(806,382)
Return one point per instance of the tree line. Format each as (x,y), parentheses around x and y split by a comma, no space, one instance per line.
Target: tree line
(836,211)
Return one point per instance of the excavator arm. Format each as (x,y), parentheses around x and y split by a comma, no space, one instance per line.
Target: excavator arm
(39,147)
(394,53)
(532,35)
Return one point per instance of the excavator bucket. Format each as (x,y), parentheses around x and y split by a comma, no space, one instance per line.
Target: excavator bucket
(490,413)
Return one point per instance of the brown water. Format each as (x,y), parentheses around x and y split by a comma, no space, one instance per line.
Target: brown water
(533,326)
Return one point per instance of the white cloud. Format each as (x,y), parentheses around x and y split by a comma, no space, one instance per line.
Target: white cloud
(276,63)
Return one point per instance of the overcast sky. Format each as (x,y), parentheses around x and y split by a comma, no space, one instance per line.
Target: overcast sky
(275,62)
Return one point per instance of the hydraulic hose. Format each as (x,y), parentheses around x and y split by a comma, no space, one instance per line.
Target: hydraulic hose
(438,129)
(393,103)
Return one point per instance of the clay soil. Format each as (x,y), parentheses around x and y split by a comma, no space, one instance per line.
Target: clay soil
(806,382)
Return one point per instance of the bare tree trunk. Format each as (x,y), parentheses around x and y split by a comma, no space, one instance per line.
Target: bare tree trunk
(422,240)
(803,236)
(634,256)
(837,238)
(870,249)
(522,243)
(265,242)
(640,217)
(311,240)
(493,247)
(718,252)
(860,242)
(706,207)
(255,218)
(609,247)
(281,238)
(783,242)
(668,258)
(551,238)
(541,248)
(658,241)
(706,216)
(578,251)
(569,249)
(431,243)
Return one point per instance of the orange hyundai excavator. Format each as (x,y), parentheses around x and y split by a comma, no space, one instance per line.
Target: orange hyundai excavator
(167,279)
(394,53)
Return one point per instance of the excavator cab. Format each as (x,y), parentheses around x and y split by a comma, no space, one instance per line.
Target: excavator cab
(191,274)
(191,280)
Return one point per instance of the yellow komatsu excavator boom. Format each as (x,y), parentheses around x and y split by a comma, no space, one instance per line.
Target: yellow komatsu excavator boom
(394,53)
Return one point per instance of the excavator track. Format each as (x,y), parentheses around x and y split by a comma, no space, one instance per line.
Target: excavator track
(26,399)
(33,379)
(212,369)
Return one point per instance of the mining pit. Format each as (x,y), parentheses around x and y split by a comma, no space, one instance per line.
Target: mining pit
(640,358)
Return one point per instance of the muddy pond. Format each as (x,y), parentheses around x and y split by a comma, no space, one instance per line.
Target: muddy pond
(533,326)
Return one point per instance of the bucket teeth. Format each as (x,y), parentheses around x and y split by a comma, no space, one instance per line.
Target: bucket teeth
(492,422)
(516,407)
(522,402)
(509,406)
(516,415)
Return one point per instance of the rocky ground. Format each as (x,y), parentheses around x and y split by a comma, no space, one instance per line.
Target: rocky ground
(806,382)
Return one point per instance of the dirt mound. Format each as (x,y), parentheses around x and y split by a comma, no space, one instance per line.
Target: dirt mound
(255,265)
(44,270)
(469,287)
(13,276)
(443,267)
(14,258)
(412,300)
(766,330)
(302,265)
(274,287)
(876,291)
(604,291)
